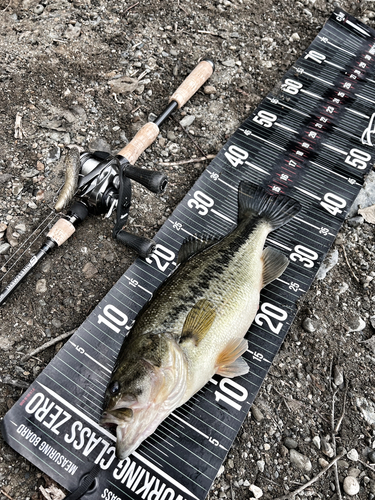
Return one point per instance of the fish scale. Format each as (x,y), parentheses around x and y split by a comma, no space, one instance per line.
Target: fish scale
(183,456)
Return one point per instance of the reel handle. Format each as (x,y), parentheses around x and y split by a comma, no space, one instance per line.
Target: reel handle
(143,246)
(150,179)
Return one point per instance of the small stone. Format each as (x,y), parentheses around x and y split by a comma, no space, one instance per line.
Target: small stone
(371,457)
(99,144)
(4,248)
(72,32)
(38,9)
(89,270)
(256,413)
(316,441)
(267,446)
(327,448)
(21,228)
(290,443)
(53,154)
(3,228)
(41,286)
(295,38)
(329,262)
(229,63)
(356,324)
(354,472)
(322,462)
(209,90)
(300,461)
(187,120)
(220,471)
(256,491)
(260,465)
(367,408)
(353,455)
(351,485)
(338,376)
(308,325)
(56,323)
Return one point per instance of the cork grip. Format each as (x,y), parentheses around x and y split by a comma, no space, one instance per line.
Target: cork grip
(191,84)
(61,231)
(141,141)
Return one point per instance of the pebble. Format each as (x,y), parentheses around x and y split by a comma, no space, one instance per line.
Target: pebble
(89,270)
(256,491)
(316,441)
(99,144)
(366,196)
(260,465)
(351,485)
(209,90)
(300,461)
(371,456)
(327,448)
(41,286)
(329,262)
(21,228)
(295,38)
(53,155)
(308,325)
(256,413)
(354,472)
(3,227)
(4,248)
(322,462)
(368,410)
(38,9)
(290,443)
(187,120)
(229,63)
(353,455)
(356,324)
(338,375)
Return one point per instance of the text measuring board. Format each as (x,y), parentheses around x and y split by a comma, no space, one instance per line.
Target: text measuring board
(304,140)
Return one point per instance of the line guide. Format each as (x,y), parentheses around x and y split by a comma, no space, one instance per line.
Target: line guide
(304,140)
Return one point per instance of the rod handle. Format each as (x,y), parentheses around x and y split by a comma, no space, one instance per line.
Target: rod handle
(200,74)
(140,142)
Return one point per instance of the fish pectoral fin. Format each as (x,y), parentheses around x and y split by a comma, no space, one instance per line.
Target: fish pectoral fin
(274,264)
(237,368)
(198,321)
(229,362)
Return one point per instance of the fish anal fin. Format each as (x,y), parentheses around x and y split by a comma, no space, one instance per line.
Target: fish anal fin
(198,321)
(274,264)
(229,362)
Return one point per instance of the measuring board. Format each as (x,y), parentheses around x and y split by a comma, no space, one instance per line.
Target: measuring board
(304,140)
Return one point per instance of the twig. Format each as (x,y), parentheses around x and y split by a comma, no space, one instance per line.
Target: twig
(191,138)
(366,465)
(290,496)
(183,162)
(349,266)
(47,344)
(343,408)
(134,5)
(6,494)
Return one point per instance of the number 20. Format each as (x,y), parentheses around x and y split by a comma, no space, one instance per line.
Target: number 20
(271,311)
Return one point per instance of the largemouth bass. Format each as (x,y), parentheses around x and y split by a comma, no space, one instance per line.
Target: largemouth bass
(194,326)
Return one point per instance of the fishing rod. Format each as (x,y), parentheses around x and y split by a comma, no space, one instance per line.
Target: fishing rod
(101,183)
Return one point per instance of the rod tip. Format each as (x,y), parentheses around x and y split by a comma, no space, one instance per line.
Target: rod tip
(210,61)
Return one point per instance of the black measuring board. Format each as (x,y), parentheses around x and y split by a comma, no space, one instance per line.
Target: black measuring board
(304,140)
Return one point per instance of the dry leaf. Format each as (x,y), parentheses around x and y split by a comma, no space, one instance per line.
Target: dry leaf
(52,493)
(368,214)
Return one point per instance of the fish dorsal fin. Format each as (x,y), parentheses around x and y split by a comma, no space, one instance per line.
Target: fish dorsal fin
(195,244)
(274,264)
(229,362)
(198,321)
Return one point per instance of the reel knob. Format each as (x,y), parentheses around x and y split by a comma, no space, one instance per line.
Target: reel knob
(143,246)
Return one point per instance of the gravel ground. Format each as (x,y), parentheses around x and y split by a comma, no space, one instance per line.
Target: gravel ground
(61,66)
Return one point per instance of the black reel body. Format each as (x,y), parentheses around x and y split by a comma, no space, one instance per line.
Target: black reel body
(105,185)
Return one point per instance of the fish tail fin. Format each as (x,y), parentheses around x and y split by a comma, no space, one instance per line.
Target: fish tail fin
(255,201)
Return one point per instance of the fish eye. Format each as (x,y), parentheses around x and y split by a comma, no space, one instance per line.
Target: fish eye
(114,387)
